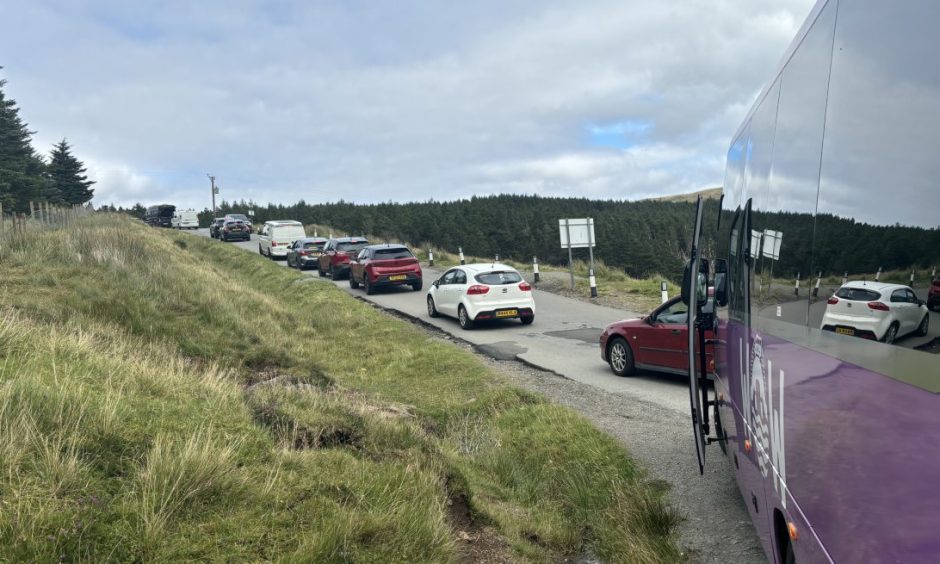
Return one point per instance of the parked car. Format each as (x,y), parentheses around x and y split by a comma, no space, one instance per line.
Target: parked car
(933,295)
(478,292)
(241,217)
(304,253)
(275,236)
(215,226)
(185,219)
(876,311)
(385,265)
(657,342)
(336,256)
(234,230)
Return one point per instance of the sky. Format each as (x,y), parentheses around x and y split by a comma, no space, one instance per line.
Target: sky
(283,100)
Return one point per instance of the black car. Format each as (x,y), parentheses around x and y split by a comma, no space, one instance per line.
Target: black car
(215,226)
(304,253)
(234,230)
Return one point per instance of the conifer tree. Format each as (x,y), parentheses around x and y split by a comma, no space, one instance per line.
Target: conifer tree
(22,171)
(68,175)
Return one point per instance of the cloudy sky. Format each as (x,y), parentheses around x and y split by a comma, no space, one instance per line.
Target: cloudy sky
(378,101)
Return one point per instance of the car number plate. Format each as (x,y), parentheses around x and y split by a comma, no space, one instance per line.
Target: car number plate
(507,313)
(398,277)
(845,331)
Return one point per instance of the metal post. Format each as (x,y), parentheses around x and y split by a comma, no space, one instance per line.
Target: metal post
(535,269)
(591,279)
(460,251)
(570,260)
(796,289)
(663,291)
(816,288)
(878,274)
(430,257)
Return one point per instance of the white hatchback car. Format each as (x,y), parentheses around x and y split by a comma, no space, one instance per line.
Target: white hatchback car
(875,310)
(477,292)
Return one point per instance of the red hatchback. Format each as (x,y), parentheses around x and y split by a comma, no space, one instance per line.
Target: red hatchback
(933,295)
(336,254)
(658,342)
(385,265)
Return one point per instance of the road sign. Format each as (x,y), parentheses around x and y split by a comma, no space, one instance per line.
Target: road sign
(772,242)
(581,232)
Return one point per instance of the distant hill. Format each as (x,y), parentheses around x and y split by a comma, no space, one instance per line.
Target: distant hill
(706,194)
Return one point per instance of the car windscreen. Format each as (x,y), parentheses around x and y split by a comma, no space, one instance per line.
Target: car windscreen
(858,294)
(384,254)
(292,232)
(314,246)
(351,246)
(497,277)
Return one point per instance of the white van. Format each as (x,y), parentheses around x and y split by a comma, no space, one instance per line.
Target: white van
(185,219)
(276,236)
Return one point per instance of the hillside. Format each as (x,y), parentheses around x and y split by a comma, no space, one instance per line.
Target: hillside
(706,194)
(166,398)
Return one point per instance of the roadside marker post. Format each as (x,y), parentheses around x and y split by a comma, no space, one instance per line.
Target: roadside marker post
(845,278)
(535,269)
(912,278)
(497,257)
(878,274)
(816,288)
(460,251)
(591,278)
(570,260)
(933,273)
(663,291)
(430,257)
(796,288)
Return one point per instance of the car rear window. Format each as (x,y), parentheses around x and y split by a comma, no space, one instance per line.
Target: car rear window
(352,246)
(498,277)
(317,246)
(382,254)
(858,294)
(239,216)
(288,232)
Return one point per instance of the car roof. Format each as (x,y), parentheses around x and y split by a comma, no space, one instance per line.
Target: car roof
(388,246)
(282,222)
(876,286)
(486,267)
(313,239)
(350,239)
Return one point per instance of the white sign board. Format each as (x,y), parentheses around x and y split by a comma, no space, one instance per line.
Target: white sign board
(581,231)
(772,242)
(755,242)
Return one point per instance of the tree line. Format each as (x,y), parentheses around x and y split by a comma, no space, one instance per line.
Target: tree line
(29,176)
(645,238)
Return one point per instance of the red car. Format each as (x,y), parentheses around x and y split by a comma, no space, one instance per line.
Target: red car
(933,295)
(336,254)
(657,342)
(385,265)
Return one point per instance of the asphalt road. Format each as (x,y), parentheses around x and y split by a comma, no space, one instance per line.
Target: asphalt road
(653,407)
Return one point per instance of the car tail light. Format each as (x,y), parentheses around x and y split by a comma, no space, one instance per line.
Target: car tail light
(273,243)
(304,253)
(525,287)
(878,306)
(832,301)
(477,289)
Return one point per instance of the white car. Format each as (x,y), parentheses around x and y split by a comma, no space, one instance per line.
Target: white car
(877,311)
(185,219)
(276,236)
(477,292)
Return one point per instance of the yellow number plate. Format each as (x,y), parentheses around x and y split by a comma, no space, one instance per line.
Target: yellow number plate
(845,331)
(507,313)
(398,277)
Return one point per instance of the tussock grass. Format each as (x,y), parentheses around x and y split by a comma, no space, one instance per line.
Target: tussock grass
(164,397)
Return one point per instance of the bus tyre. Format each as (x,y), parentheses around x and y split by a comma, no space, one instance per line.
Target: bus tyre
(891,334)
(924,326)
(620,357)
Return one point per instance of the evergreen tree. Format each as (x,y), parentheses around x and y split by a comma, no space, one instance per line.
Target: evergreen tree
(68,175)
(22,171)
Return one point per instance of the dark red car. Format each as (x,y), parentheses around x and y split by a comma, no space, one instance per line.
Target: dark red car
(657,342)
(933,295)
(336,254)
(385,265)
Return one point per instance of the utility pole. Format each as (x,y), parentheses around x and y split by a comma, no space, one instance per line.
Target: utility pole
(214,191)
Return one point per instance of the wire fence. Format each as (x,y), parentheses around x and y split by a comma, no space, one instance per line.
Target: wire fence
(41,215)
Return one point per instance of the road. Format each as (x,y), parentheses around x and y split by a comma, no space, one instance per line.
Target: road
(653,407)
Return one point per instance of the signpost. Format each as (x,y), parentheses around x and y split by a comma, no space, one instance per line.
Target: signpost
(577,234)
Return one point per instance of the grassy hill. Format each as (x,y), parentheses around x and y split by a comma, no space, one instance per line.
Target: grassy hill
(706,194)
(165,397)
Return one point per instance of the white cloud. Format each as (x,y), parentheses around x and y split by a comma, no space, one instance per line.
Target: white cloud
(377,102)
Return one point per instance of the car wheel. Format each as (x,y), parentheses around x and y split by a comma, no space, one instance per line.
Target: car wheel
(528,320)
(924,327)
(432,310)
(370,289)
(320,272)
(620,357)
(333,272)
(464,318)
(891,334)
(417,286)
(260,252)
(352,281)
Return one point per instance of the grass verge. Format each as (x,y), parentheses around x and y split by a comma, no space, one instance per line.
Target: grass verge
(168,397)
